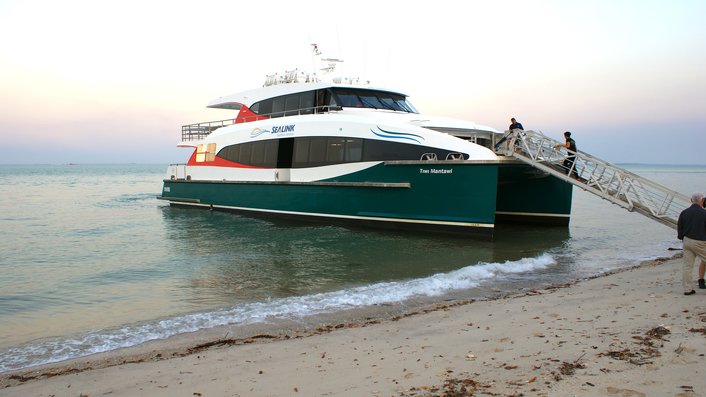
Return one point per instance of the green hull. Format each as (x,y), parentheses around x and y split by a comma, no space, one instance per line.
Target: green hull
(528,195)
(453,197)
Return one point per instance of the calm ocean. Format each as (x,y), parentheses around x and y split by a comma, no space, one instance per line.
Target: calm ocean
(92,261)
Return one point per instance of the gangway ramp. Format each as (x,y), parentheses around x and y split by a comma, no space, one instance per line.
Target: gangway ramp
(605,180)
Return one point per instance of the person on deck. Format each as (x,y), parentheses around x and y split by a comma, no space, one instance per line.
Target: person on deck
(514,125)
(570,146)
(691,228)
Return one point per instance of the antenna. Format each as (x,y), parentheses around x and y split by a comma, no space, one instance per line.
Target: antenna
(318,60)
(324,66)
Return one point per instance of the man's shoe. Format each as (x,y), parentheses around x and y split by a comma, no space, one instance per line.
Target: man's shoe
(692,292)
(702,284)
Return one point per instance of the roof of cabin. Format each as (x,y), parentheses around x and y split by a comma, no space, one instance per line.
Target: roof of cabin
(248,98)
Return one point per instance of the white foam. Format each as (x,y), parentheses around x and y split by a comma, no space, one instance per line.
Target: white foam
(55,350)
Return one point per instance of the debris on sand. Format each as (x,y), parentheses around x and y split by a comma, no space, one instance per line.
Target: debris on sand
(647,349)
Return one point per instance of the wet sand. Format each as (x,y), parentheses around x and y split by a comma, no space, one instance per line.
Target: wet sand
(628,333)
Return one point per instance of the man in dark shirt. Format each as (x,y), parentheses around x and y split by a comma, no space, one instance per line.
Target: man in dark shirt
(514,125)
(691,227)
(570,145)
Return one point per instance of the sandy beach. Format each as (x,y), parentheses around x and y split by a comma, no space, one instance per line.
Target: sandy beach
(629,333)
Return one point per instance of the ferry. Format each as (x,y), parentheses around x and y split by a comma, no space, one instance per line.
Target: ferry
(338,150)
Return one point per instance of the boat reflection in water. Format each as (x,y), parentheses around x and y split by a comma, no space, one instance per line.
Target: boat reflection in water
(228,259)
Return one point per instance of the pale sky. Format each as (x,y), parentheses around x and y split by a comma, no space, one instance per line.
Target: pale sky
(113,81)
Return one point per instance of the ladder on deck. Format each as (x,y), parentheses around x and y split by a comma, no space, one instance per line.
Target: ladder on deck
(599,177)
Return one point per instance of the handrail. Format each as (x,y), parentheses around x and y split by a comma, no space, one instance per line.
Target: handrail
(199,131)
(599,177)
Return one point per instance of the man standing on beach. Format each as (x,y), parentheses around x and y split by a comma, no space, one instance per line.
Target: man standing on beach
(691,227)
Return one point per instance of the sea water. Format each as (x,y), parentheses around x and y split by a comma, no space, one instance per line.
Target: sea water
(91,261)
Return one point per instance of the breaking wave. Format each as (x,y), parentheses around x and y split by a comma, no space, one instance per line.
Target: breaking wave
(59,349)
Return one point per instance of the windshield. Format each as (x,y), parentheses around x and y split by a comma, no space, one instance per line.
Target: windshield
(361,98)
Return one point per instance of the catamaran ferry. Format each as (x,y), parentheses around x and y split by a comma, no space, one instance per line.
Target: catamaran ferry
(339,151)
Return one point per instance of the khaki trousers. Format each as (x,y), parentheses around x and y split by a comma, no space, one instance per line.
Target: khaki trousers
(692,249)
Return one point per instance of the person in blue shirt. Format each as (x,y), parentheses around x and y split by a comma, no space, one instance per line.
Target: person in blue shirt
(514,125)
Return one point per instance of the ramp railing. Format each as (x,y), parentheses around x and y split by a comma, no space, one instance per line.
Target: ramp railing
(605,180)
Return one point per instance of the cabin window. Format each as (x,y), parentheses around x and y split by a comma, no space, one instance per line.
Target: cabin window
(231,153)
(325,99)
(278,107)
(335,152)
(405,105)
(355,97)
(301,152)
(348,98)
(205,152)
(286,105)
(263,107)
(390,103)
(306,105)
(258,153)
(371,101)
(354,150)
(376,150)
(270,155)
(291,105)
(262,154)
(245,153)
(318,151)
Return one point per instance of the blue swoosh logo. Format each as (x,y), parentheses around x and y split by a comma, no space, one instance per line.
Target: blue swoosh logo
(398,135)
(257,132)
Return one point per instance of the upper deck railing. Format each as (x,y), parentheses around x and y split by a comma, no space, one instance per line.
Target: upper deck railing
(605,180)
(199,131)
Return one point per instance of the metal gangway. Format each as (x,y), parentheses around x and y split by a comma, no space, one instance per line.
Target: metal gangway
(605,180)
